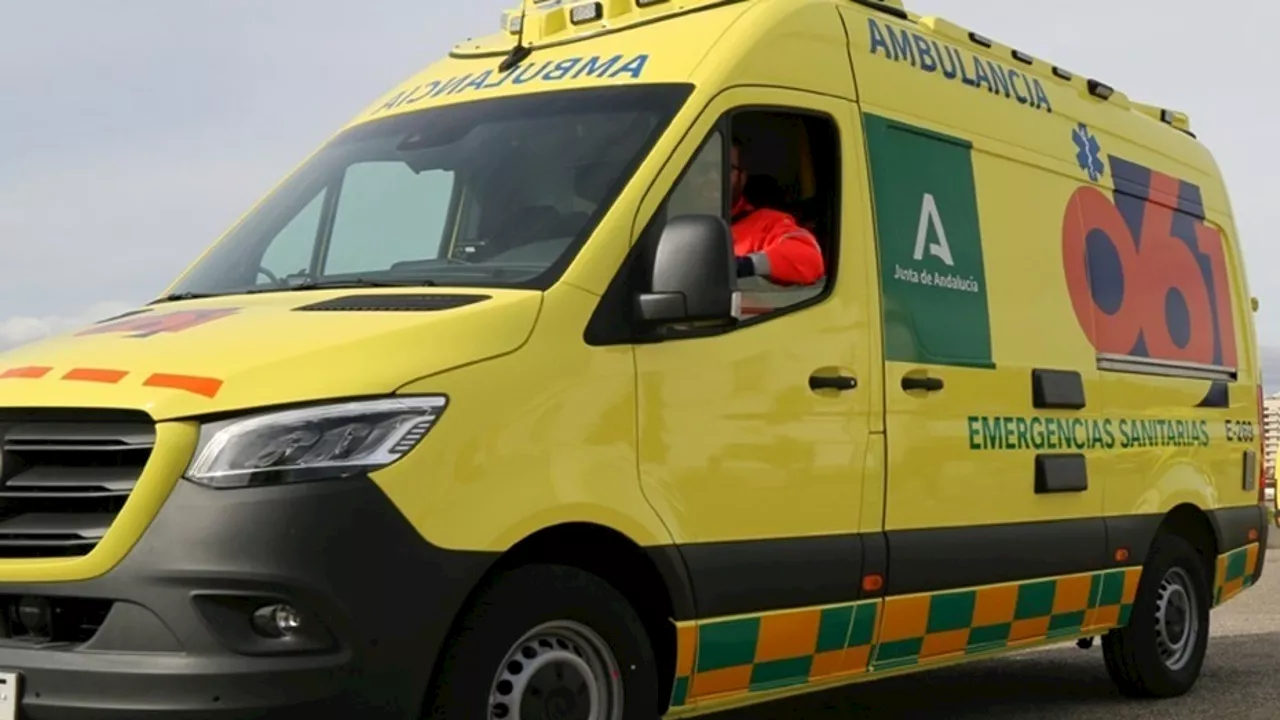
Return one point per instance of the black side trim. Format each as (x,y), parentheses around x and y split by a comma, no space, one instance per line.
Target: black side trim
(1231,528)
(765,575)
(1057,389)
(1233,525)
(947,558)
(670,565)
(1065,473)
(742,577)
(394,303)
(1219,395)
(875,561)
(1134,534)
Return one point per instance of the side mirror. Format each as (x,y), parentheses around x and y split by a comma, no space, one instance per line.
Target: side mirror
(693,273)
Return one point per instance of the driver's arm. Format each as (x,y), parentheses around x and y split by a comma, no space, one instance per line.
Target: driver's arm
(783,252)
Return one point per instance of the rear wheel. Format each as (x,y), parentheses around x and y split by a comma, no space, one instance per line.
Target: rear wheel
(547,642)
(1161,651)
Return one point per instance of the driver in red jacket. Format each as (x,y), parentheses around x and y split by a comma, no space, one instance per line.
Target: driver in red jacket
(770,243)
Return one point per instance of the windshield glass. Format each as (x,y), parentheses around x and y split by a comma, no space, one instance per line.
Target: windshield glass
(498,193)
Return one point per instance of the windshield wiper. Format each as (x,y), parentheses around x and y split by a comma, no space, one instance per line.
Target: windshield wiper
(301,285)
(353,283)
(188,295)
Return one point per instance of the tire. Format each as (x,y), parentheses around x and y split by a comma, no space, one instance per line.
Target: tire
(527,620)
(1150,657)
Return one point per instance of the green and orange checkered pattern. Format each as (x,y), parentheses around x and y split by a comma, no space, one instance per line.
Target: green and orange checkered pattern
(758,653)
(1236,571)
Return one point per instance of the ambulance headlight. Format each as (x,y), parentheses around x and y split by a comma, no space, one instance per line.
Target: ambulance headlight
(312,443)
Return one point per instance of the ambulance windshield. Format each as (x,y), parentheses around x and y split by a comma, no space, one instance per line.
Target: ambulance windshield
(497,193)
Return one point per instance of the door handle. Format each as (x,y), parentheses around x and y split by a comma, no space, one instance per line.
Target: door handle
(928,384)
(829,382)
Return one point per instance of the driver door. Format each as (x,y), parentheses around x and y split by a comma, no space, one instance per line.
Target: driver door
(764,473)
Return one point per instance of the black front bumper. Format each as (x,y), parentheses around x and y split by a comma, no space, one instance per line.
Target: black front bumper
(376,602)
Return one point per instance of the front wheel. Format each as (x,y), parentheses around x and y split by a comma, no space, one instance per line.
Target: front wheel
(547,642)
(1160,652)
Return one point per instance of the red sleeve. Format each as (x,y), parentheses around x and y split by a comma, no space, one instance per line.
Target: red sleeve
(795,258)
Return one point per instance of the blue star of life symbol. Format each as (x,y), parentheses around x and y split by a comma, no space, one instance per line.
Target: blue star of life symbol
(1088,152)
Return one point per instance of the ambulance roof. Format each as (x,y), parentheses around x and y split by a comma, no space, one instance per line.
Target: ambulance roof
(684,30)
(547,23)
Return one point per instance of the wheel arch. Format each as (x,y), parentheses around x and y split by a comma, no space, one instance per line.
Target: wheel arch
(655,579)
(1197,527)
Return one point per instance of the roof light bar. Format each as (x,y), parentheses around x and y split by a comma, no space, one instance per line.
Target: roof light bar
(586,13)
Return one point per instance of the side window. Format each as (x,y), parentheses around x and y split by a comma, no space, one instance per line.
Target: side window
(774,176)
(387,213)
(784,200)
(290,250)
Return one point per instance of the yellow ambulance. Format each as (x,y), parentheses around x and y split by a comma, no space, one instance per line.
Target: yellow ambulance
(508,404)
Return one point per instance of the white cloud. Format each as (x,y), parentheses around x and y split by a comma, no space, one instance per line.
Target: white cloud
(22,329)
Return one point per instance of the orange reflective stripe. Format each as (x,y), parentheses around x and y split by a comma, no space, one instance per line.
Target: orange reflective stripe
(30,372)
(95,375)
(207,387)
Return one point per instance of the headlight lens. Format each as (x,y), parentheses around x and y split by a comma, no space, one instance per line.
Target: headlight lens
(328,441)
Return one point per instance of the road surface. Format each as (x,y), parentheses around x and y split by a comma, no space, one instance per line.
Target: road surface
(1240,681)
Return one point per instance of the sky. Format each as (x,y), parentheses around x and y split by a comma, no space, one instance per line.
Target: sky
(134,132)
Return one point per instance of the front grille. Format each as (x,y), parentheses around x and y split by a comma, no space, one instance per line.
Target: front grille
(63,479)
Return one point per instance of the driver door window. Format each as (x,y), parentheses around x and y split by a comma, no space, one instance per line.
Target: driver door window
(787,162)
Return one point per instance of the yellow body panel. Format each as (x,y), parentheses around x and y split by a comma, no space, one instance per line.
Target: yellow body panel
(535,439)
